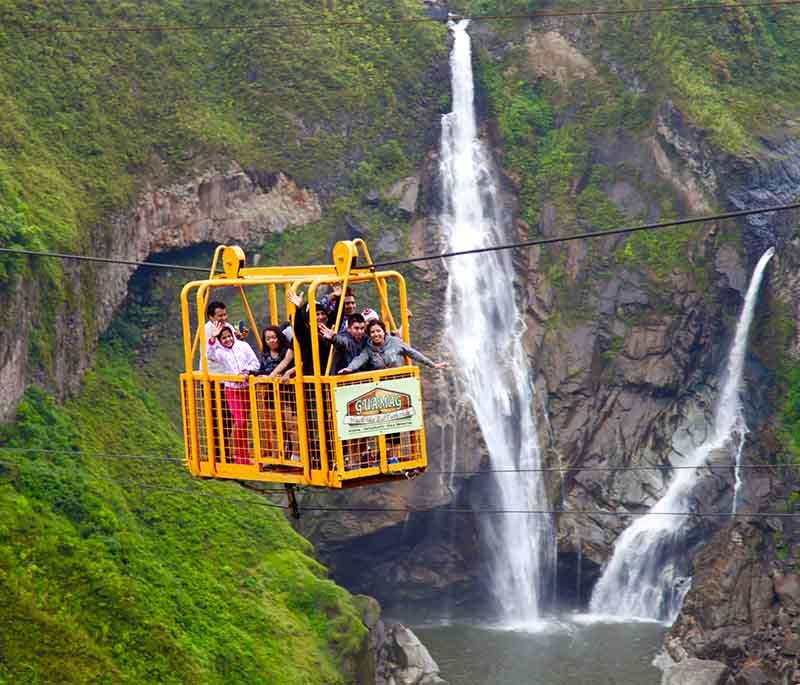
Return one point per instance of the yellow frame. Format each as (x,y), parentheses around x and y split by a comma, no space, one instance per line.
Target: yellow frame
(209,460)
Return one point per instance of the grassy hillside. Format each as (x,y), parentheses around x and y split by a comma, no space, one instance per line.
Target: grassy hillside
(85,111)
(126,570)
(734,72)
(89,115)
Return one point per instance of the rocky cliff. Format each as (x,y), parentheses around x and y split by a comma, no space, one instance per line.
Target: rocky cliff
(223,204)
(744,607)
(627,341)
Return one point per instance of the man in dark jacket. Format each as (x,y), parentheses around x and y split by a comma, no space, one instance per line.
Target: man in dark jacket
(301,327)
(348,344)
(334,301)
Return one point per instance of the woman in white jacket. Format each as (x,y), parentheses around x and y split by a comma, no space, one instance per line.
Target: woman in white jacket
(234,357)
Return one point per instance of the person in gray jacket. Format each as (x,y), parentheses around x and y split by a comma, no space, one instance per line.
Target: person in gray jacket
(386,351)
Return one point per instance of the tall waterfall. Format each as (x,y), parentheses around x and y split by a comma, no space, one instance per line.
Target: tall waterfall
(485,327)
(645,575)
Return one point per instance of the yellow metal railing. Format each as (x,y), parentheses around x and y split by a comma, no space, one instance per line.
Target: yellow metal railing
(252,431)
(263,429)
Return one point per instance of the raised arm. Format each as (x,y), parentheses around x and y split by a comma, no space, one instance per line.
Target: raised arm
(300,320)
(421,358)
(357,362)
(213,350)
(213,346)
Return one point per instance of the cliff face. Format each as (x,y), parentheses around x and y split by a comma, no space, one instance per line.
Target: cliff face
(627,344)
(220,205)
(744,606)
(626,338)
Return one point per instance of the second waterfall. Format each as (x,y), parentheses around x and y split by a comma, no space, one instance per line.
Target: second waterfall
(485,326)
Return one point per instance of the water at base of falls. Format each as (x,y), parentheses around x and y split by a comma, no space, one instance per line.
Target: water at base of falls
(485,327)
(647,574)
(569,652)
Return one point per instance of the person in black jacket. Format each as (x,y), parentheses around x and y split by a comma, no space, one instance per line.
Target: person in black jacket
(301,326)
(302,329)
(347,345)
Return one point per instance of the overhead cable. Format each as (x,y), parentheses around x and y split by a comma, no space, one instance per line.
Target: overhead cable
(593,234)
(446,255)
(388,21)
(46,471)
(105,260)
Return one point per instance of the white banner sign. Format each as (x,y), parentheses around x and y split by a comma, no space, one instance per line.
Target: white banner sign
(365,409)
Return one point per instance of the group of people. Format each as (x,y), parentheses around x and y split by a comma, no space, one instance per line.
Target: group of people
(360,342)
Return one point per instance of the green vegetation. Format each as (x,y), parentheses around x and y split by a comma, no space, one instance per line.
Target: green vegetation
(720,67)
(524,119)
(790,414)
(661,251)
(733,73)
(88,115)
(127,570)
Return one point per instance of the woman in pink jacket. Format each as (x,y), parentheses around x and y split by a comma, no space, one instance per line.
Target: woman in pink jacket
(234,357)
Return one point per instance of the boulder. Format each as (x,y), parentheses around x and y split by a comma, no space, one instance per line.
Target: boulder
(752,675)
(404,660)
(695,672)
(404,195)
(393,654)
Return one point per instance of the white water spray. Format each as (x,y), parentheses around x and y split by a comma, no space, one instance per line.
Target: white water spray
(740,434)
(645,577)
(485,327)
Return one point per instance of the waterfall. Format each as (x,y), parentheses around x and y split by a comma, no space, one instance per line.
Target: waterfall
(741,434)
(645,577)
(485,328)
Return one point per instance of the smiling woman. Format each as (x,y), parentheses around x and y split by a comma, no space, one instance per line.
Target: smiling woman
(384,351)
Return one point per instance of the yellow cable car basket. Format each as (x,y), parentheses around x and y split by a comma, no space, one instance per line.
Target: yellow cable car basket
(320,429)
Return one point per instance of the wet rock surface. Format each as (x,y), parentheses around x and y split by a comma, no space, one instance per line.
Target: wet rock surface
(394,654)
(742,609)
(222,204)
(696,672)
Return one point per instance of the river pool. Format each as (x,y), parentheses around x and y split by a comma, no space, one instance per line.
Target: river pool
(579,650)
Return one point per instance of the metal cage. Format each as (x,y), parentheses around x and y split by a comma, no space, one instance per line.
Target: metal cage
(319,429)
